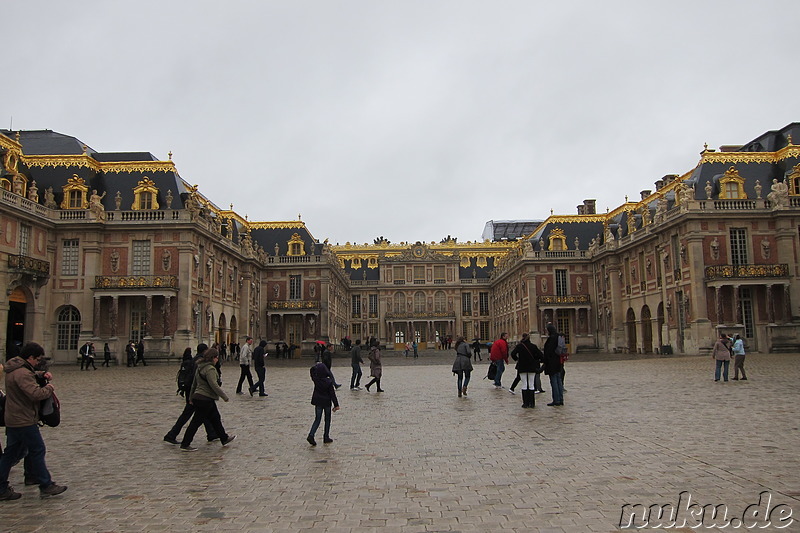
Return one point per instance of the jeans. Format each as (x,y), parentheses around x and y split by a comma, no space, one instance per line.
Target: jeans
(463,378)
(245,373)
(724,372)
(355,379)
(261,372)
(501,366)
(738,364)
(318,417)
(204,410)
(558,388)
(20,441)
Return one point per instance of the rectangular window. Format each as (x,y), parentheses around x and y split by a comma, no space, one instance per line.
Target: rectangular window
(399,274)
(355,330)
(373,329)
(141,258)
(561,282)
(484,330)
(24,239)
(738,246)
(69,257)
(438,274)
(676,252)
(373,305)
(75,199)
(145,201)
(466,304)
(356,306)
(483,304)
(295,287)
(466,327)
(419,275)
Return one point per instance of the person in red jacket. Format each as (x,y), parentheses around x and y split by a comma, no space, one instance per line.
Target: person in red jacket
(499,356)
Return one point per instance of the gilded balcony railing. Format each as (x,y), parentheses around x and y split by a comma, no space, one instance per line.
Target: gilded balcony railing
(23,263)
(571,299)
(293,304)
(746,271)
(136,282)
(422,315)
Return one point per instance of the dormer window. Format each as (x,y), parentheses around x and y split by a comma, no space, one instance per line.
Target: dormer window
(558,241)
(794,181)
(731,185)
(145,196)
(75,194)
(296,245)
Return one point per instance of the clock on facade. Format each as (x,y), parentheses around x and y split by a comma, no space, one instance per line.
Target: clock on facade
(418,251)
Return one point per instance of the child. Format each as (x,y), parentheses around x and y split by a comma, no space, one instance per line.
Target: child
(324,395)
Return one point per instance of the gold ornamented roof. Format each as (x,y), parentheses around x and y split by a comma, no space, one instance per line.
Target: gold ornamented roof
(86,161)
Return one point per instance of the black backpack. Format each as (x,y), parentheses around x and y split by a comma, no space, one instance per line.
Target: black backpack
(185,377)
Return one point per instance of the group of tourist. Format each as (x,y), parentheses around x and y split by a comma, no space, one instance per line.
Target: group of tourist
(531,361)
(135,353)
(725,349)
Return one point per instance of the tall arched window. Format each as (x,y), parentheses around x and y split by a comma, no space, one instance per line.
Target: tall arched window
(419,302)
(68,328)
(399,302)
(439,302)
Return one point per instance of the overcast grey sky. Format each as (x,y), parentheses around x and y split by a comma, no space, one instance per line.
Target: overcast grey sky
(409,119)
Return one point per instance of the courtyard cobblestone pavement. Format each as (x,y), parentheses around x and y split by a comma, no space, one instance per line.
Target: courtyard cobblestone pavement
(417,458)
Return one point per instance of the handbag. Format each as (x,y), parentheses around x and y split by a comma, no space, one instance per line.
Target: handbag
(492,372)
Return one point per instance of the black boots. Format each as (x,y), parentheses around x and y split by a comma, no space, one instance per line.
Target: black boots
(528,398)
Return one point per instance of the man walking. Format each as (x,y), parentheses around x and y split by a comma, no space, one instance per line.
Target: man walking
(499,356)
(261,370)
(85,355)
(245,357)
(355,362)
(23,396)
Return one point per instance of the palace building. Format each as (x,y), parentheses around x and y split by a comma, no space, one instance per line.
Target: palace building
(113,247)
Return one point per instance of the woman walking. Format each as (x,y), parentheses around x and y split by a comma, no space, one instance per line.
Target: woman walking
(323,397)
(205,391)
(528,358)
(106,356)
(375,368)
(738,358)
(462,366)
(722,355)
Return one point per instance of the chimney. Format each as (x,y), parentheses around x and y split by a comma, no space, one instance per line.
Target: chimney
(645,194)
(589,207)
(581,210)
(659,185)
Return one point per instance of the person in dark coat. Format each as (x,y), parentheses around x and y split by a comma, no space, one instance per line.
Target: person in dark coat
(462,366)
(106,355)
(261,370)
(172,435)
(323,397)
(553,366)
(130,353)
(529,359)
(355,362)
(140,354)
(327,359)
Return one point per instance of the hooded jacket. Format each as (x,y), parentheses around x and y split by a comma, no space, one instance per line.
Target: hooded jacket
(23,393)
(205,382)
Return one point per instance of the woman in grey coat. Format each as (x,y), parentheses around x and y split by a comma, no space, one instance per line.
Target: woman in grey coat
(462,366)
(375,367)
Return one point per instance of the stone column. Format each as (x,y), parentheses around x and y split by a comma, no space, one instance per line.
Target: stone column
(96,318)
(737,305)
(114,315)
(718,303)
(148,315)
(787,304)
(167,316)
(770,305)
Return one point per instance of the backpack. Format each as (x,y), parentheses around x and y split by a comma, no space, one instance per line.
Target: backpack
(50,411)
(185,377)
(561,349)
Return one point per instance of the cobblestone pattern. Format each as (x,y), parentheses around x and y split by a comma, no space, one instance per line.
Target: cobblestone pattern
(417,458)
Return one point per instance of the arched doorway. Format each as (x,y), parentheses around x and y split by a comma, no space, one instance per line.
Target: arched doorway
(660,321)
(647,330)
(221,330)
(630,321)
(15,329)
